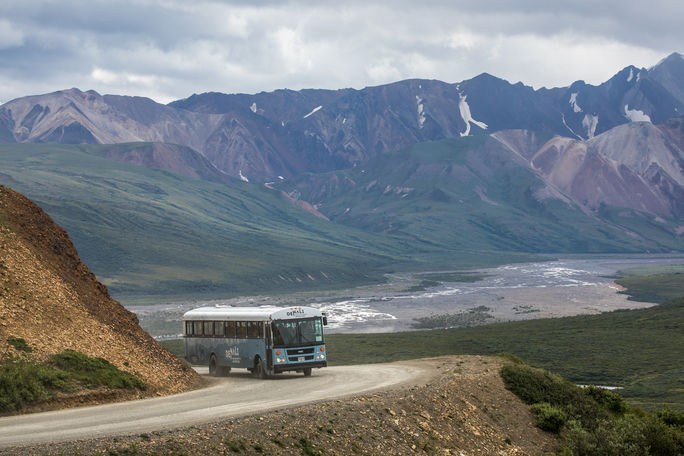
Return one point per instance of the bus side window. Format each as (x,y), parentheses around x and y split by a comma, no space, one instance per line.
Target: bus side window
(188,328)
(219,329)
(253,329)
(230,329)
(241,329)
(277,336)
(197,328)
(208,328)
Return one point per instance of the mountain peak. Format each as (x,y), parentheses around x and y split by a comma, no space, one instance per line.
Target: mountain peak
(673,59)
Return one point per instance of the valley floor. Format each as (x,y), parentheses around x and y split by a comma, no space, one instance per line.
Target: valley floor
(522,291)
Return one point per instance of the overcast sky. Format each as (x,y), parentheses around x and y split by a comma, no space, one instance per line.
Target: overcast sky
(170,49)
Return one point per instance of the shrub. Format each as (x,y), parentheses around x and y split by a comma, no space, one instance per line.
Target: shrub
(549,417)
(597,420)
(95,371)
(627,435)
(23,381)
(19,344)
(536,385)
(670,417)
(610,400)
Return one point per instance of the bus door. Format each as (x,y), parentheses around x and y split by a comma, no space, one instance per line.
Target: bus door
(269,345)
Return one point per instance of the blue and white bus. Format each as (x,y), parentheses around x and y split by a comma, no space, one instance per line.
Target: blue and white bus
(266,340)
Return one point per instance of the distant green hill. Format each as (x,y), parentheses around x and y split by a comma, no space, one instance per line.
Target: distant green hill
(187,231)
(148,233)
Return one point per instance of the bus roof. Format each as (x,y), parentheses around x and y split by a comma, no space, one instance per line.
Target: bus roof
(263,313)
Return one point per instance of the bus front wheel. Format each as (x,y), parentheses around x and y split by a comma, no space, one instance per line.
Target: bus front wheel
(258,370)
(307,372)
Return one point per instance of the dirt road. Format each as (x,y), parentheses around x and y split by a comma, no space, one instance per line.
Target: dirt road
(237,395)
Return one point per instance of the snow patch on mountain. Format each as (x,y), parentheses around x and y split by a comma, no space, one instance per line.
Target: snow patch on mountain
(467,117)
(242,177)
(315,110)
(568,127)
(253,107)
(421,112)
(635,115)
(590,123)
(631,75)
(573,102)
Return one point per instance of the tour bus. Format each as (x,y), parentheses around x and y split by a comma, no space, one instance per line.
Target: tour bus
(266,340)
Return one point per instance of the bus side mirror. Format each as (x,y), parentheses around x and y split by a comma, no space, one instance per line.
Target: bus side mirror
(325,320)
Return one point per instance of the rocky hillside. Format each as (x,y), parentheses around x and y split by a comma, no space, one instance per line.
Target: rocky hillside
(49,298)
(637,165)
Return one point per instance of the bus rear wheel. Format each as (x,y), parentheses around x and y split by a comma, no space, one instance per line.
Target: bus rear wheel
(213,370)
(258,370)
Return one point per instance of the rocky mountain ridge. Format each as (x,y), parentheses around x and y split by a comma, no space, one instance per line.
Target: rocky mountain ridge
(284,133)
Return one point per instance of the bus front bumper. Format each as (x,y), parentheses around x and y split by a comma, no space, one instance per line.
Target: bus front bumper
(278,368)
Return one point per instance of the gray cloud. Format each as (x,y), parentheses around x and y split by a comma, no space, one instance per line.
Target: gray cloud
(169,49)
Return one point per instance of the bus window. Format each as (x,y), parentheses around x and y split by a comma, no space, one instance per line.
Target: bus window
(253,330)
(196,328)
(230,329)
(297,332)
(208,328)
(188,328)
(219,329)
(277,335)
(241,329)
(311,331)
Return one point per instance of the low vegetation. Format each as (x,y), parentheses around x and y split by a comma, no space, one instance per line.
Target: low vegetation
(593,421)
(653,284)
(26,381)
(471,317)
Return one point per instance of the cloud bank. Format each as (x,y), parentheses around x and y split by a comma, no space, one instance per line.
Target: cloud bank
(169,49)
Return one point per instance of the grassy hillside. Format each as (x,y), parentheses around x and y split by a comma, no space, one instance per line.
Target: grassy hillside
(154,235)
(470,194)
(147,232)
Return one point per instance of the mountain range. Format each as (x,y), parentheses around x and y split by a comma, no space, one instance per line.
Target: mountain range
(417,166)
(284,133)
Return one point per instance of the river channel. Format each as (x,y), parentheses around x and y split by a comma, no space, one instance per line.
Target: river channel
(557,288)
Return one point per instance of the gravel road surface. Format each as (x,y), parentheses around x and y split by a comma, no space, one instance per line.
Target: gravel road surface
(237,395)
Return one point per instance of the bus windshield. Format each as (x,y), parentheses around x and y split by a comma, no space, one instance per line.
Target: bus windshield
(292,333)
